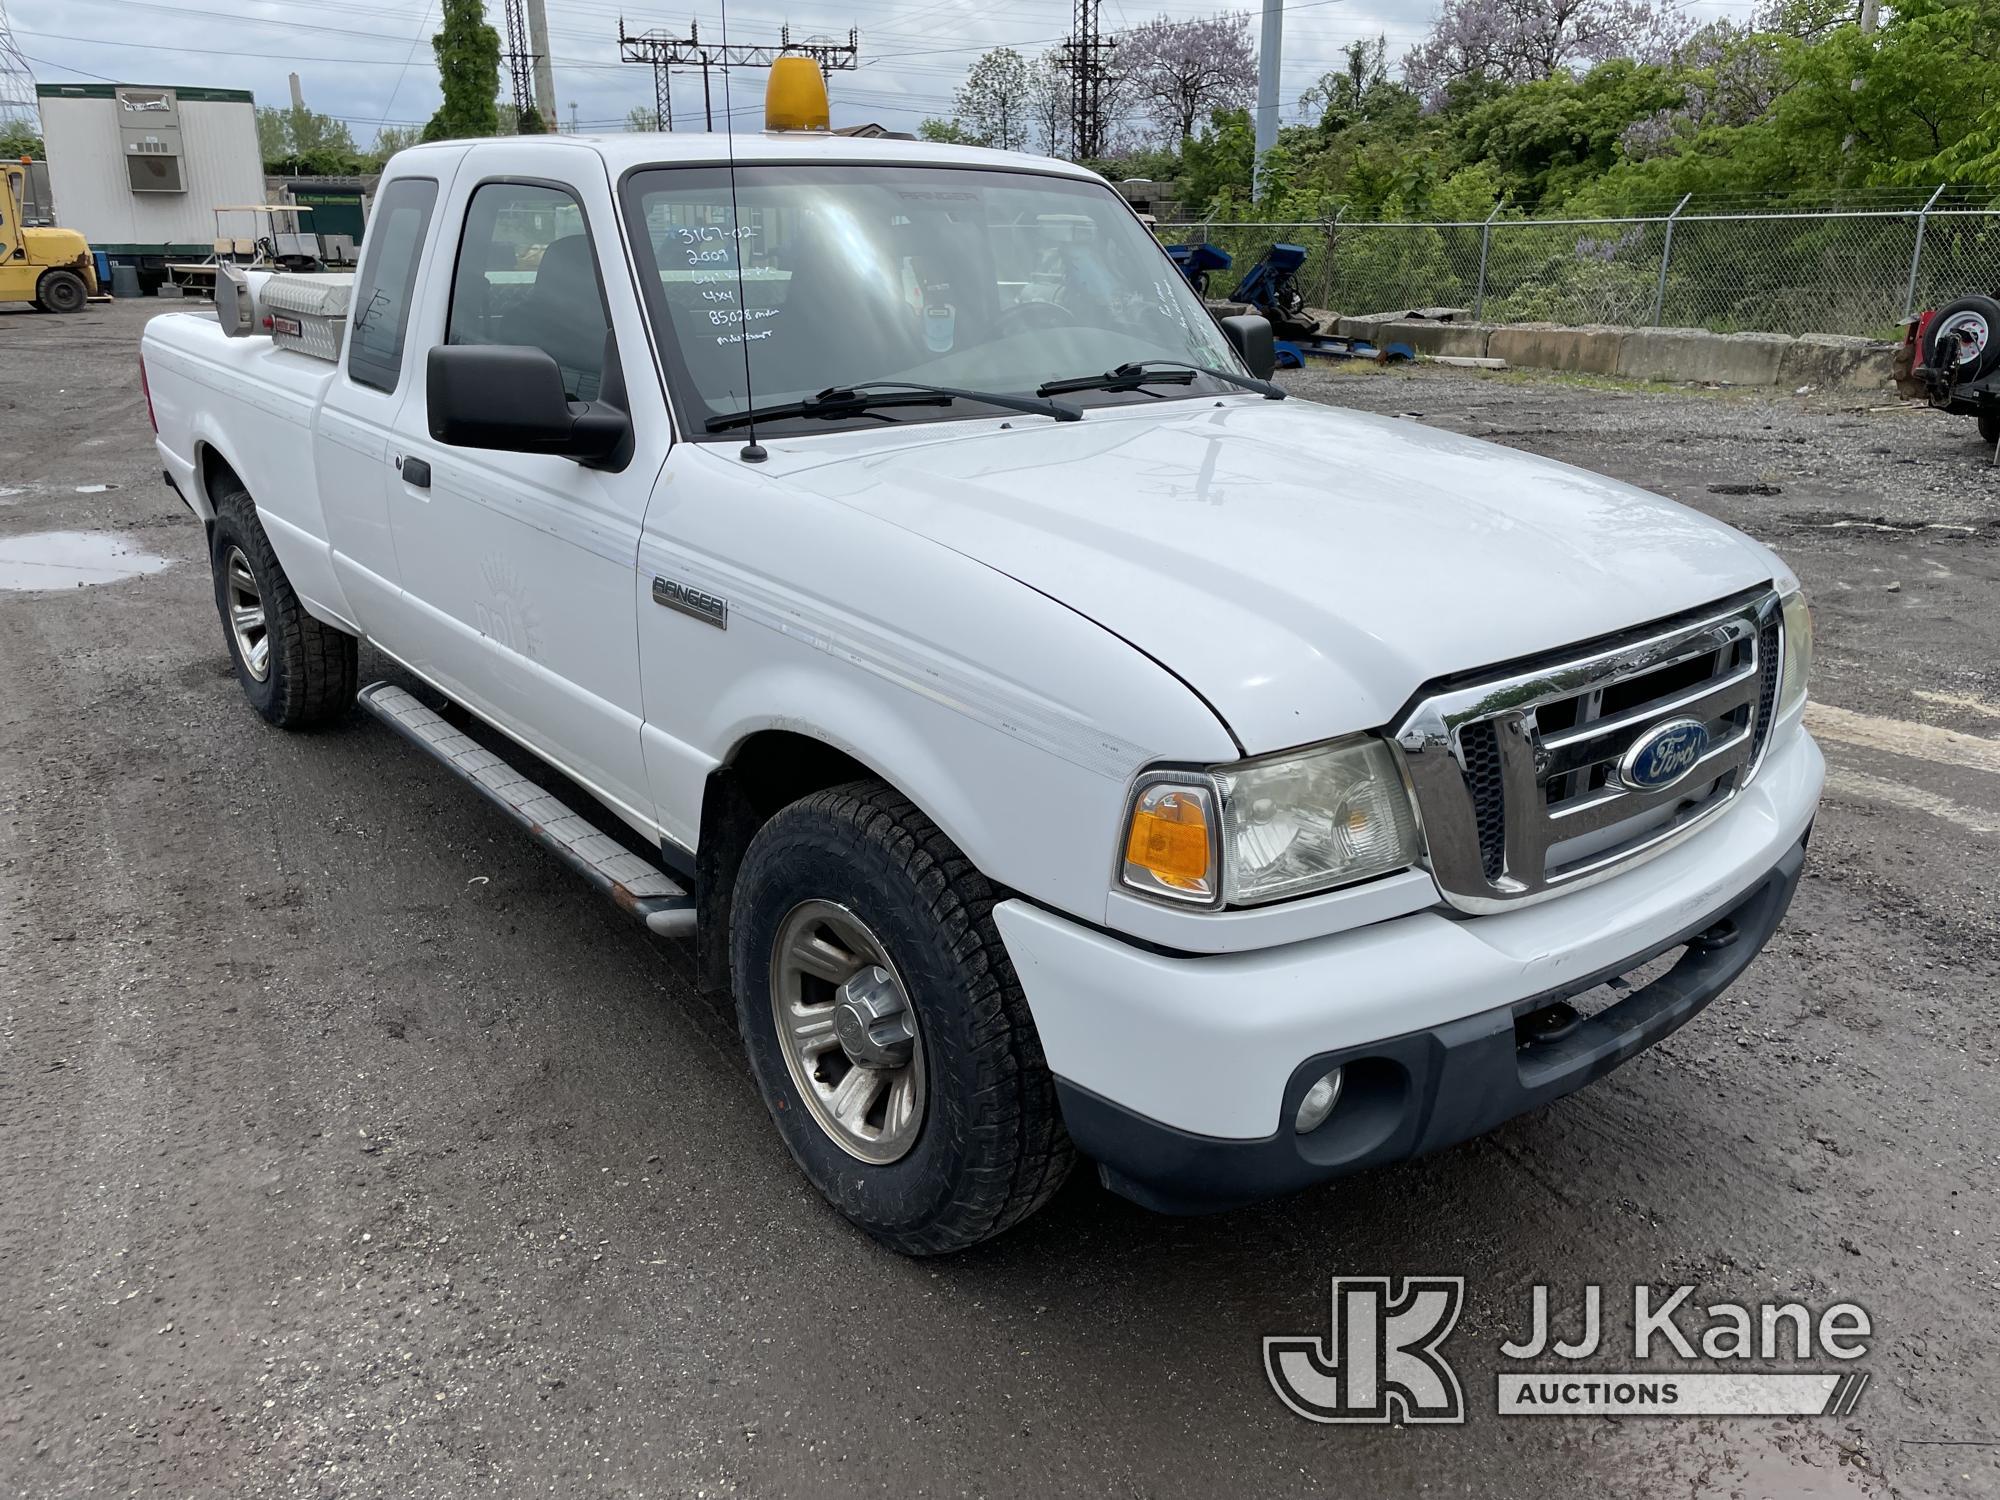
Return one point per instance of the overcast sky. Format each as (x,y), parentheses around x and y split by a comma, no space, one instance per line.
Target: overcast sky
(369,61)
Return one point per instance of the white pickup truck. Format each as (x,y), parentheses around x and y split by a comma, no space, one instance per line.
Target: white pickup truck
(874,561)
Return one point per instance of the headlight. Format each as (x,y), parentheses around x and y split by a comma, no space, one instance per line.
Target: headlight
(1798,654)
(1247,834)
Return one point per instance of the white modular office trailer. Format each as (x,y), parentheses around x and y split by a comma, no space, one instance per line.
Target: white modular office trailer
(139,170)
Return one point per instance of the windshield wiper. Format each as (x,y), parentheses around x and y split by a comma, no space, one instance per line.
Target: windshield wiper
(854,400)
(1129,377)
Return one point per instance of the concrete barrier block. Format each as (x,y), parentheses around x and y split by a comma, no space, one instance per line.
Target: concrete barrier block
(1361,326)
(1836,361)
(1548,346)
(1464,340)
(1697,354)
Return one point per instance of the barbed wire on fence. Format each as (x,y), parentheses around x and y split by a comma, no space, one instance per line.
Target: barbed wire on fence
(1725,264)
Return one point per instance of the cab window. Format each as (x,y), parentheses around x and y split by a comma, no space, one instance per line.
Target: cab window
(527,276)
(388,275)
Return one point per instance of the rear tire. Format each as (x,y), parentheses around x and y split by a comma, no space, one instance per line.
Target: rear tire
(1977,321)
(964,1138)
(62,292)
(298,672)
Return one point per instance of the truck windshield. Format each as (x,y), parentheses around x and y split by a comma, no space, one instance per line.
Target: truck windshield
(955,276)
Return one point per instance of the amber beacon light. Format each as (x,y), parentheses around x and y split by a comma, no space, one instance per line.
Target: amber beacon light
(795,98)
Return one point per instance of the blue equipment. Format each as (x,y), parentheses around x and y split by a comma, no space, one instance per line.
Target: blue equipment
(1272,287)
(1196,261)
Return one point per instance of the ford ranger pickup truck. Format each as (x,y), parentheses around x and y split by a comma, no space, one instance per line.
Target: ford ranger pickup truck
(872,560)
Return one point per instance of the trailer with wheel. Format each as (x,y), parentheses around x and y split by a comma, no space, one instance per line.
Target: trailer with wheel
(1956,358)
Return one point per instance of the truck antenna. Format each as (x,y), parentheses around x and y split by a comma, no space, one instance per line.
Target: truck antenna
(753,451)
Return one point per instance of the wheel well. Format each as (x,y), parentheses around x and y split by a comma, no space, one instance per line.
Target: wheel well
(212,470)
(770,770)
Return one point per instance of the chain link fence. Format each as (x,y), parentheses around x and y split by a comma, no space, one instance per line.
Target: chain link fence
(1854,270)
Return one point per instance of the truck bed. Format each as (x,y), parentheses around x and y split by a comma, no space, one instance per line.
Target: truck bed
(254,408)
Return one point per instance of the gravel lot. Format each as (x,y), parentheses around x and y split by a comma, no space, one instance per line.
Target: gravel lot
(348,1146)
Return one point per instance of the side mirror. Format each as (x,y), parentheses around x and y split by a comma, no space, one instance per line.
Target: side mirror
(511,398)
(1251,337)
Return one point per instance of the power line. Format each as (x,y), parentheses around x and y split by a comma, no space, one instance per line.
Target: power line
(663,53)
(416,41)
(18,100)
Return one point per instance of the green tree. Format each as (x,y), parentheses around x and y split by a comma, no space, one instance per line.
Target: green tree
(946,133)
(1215,165)
(18,139)
(993,102)
(530,122)
(1558,134)
(389,139)
(306,143)
(468,63)
(641,118)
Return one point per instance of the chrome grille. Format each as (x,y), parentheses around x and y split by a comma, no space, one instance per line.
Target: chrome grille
(1519,773)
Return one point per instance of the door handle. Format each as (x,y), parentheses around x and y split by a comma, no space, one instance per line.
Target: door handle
(415,471)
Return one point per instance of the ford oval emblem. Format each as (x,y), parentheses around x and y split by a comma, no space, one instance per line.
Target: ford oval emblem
(1663,755)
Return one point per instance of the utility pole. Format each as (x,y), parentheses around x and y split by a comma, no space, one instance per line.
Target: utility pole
(1269,63)
(572,117)
(663,53)
(1086,58)
(520,61)
(1871,15)
(545,71)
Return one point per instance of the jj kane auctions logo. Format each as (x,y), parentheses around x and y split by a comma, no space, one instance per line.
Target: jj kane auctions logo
(1382,1359)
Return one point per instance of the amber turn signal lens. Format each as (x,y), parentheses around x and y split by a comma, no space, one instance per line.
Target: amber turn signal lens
(1169,844)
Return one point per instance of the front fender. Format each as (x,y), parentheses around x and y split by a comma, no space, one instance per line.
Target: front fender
(1014,723)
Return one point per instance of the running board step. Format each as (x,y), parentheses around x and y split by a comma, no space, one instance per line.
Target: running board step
(637,886)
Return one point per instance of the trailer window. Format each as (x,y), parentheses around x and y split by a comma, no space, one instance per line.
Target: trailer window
(388,274)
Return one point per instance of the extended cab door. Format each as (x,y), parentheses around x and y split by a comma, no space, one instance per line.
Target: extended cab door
(354,453)
(517,568)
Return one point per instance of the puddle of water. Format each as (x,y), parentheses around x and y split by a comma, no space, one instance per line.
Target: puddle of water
(49,560)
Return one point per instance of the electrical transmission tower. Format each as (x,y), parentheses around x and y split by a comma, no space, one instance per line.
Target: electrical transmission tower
(520,61)
(664,53)
(17,83)
(1087,59)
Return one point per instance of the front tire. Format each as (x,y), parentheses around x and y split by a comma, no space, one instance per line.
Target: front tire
(298,672)
(62,292)
(885,1027)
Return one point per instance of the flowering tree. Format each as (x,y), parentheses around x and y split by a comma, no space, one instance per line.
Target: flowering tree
(1049,105)
(1524,41)
(1178,73)
(1729,75)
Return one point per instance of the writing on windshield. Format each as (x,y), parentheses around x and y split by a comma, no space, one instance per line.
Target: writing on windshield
(838,275)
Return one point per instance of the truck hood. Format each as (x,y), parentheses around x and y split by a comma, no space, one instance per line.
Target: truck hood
(1302,567)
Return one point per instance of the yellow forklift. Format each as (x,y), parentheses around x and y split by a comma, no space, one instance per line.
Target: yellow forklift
(52,268)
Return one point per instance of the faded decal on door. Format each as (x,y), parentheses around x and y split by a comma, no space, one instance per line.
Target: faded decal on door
(507,613)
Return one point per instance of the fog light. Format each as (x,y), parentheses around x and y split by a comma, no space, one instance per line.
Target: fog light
(1318,1103)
